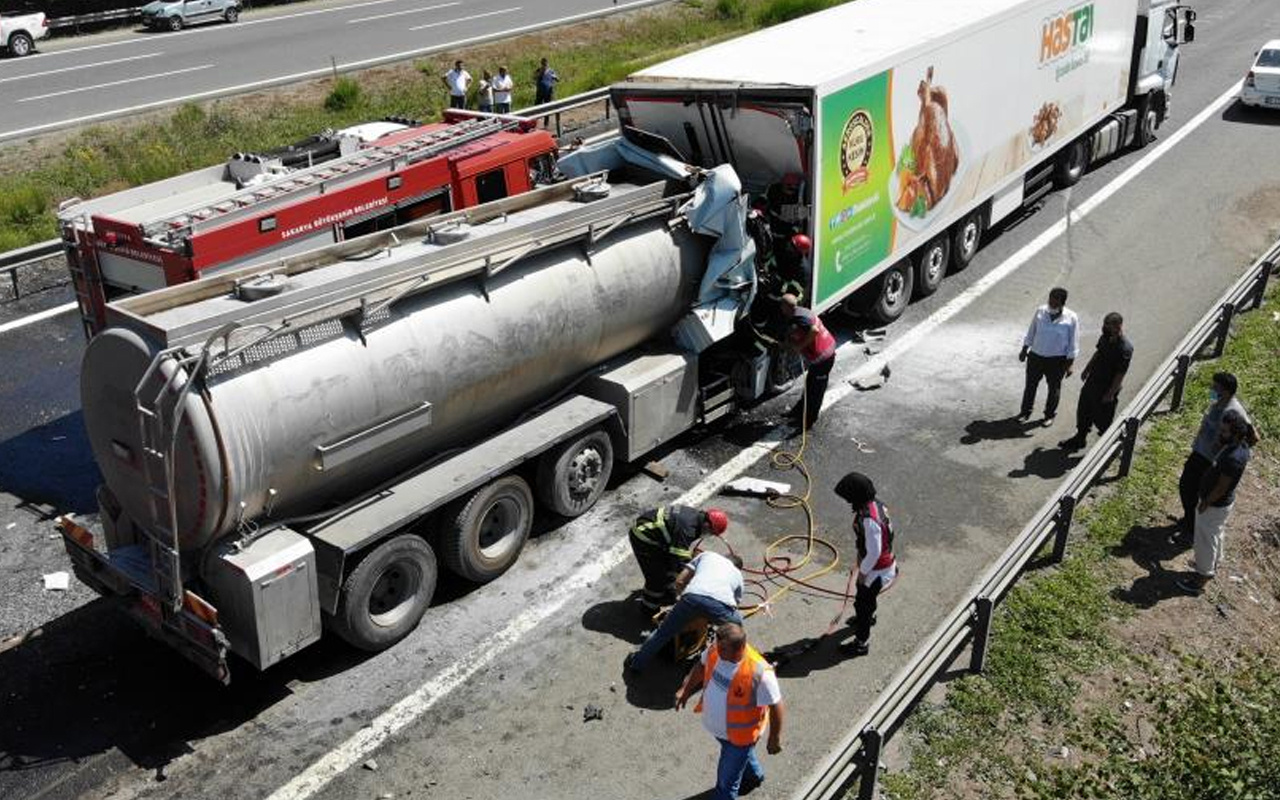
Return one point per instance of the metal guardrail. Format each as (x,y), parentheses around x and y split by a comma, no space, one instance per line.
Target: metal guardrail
(15,260)
(855,761)
(556,108)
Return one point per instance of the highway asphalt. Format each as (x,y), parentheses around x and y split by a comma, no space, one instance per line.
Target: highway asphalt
(90,78)
(485,699)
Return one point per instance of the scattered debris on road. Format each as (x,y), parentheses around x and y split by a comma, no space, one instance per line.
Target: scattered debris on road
(867,384)
(657,471)
(57,581)
(755,487)
(592,712)
(370,765)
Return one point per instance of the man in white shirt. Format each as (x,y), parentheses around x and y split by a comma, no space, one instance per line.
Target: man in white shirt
(740,698)
(457,81)
(503,84)
(1049,350)
(710,588)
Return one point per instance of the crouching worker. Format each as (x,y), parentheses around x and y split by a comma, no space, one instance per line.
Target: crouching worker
(662,541)
(711,587)
(740,698)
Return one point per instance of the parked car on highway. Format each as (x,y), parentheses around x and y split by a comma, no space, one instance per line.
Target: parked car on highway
(174,15)
(1262,84)
(19,30)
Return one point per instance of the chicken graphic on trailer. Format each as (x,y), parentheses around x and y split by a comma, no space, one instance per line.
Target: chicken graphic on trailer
(925,169)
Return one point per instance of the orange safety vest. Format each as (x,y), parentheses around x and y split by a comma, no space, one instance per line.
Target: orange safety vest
(745,720)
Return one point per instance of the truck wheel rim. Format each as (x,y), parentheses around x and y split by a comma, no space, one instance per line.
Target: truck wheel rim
(934,265)
(893,287)
(500,524)
(392,596)
(584,472)
(969,238)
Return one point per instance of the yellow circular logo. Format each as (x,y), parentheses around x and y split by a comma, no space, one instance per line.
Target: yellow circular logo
(856,144)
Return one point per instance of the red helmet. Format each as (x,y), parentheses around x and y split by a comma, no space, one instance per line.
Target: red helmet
(717,521)
(802,243)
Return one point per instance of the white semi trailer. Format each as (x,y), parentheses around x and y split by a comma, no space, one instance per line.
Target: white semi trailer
(894,132)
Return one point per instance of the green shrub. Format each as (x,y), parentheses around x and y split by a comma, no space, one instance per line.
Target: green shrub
(730,9)
(774,12)
(344,96)
(22,205)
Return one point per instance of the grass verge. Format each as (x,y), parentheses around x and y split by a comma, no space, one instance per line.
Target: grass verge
(110,157)
(1095,689)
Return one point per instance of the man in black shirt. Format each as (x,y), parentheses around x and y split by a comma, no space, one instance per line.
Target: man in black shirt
(1102,380)
(662,541)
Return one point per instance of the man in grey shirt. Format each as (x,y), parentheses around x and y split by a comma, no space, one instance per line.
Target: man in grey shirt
(1049,349)
(1222,398)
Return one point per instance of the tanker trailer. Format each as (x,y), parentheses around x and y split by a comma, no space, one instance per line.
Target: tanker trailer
(288,448)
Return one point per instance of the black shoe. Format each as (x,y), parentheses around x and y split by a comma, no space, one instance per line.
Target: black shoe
(1191,586)
(1048,420)
(749,784)
(1024,415)
(855,648)
(1074,443)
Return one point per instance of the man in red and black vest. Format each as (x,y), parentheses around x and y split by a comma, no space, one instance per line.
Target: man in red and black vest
(876,567)
(808,336)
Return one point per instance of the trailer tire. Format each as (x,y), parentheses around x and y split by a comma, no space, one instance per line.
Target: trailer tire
(174,23)
(485,532)
(573,475)
(1072,163)
(932,262)
(385,596)
(885,298)
(1148,122)
(21,44)
(966,237)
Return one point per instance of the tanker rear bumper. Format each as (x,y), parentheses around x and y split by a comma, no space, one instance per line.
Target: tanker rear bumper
(123,577)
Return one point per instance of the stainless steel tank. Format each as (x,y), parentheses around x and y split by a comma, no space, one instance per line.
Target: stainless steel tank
(260,424)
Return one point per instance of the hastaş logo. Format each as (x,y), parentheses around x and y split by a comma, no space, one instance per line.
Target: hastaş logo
(1064,31)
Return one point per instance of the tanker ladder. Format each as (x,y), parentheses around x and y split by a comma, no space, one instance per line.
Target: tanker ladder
(160,404)
(322,178)
(309,297)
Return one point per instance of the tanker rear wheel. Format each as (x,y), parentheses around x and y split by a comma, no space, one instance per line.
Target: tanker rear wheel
(385,596)
(484,533)
(572,476)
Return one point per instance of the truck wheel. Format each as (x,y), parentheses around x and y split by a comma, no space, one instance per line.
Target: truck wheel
(931,265)
(385,596)
(20,44)
(887,296)
(572,477)
(175,23)
(1072,163)
(1148,121)
(965,238)
(232,14)
(485,532)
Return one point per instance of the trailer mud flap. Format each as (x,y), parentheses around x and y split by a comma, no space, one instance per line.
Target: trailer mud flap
(192,630)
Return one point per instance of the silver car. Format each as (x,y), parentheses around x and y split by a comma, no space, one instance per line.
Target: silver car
(174,15)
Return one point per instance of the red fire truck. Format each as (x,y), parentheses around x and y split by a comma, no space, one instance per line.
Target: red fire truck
(260,206)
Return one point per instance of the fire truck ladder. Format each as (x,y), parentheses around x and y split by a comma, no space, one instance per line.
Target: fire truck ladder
(322,178)
(160,401)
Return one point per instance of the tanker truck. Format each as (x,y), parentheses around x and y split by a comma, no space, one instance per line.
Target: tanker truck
(893,133)
(289,448)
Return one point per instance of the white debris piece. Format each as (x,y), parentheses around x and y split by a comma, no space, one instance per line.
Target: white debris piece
(57,581)
(755,487)
(11,526)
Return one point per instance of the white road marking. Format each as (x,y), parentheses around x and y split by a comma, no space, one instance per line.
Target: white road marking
(206,30)
(116,83)
(79,66)
(299,76)
(465,19)
(368,739)
(400,13)
(34,318)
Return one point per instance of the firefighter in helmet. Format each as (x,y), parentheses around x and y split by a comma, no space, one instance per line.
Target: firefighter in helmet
(663,539)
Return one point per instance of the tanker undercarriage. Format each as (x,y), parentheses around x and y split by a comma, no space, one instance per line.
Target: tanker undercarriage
(290,447)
